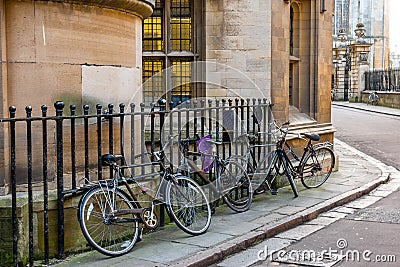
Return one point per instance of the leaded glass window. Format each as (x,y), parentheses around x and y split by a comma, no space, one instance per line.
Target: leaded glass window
(168,37)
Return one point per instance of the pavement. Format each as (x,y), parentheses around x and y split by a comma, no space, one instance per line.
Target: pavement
(366,107)
(360,179)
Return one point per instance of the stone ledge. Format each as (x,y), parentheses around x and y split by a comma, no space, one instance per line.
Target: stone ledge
(141,8)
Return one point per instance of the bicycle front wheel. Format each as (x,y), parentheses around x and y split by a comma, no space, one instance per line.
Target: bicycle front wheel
(108,233)
(187,205)
(317,167)
(236,186)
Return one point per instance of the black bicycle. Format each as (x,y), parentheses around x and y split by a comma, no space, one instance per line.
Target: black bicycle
(313,167)
(110,214)
(222,178)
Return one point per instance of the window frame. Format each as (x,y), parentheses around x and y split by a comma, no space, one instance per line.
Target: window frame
(169,55)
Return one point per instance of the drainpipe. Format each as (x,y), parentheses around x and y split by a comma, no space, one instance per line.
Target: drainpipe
(315,59)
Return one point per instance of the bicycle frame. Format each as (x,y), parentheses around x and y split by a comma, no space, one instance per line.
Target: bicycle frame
(217,171)
(118,178)
(219,167)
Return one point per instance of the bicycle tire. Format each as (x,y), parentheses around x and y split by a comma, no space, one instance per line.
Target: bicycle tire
(249,168)
(317,167)
(236,186)
(109,235)
(187,205)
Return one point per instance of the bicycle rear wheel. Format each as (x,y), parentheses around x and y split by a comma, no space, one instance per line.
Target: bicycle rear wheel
(317,167)
(187,205)
(236,186)
(111,235)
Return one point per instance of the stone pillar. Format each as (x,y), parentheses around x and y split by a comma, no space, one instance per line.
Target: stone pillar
(360,65)
(4,157)
(359,58)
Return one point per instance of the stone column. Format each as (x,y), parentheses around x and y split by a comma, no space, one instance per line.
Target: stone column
(359,58)
(360,66)
(4,158)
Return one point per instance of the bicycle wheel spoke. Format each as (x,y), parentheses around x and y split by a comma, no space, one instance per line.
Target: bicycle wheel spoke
(108,234)
(237,187)
(317,167)
(185,202)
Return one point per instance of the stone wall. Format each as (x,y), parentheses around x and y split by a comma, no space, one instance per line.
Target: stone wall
(238,41)
(386,99)
(80,52)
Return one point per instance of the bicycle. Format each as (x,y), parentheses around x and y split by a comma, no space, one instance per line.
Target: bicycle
(373,98)
(109,216)
(313,167)
(227,178)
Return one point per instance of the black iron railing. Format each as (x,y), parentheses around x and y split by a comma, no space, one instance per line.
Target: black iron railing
(383,80)
(59,149)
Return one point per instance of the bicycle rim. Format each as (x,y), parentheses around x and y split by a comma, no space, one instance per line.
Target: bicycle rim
(317,167)
(110,235)
(187,205)
(236,185)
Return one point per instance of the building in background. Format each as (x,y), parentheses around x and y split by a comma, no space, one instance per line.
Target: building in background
(374,14)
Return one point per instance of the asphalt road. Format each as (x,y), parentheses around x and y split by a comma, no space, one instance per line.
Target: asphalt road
(374,134)
(360,236)
(370,236)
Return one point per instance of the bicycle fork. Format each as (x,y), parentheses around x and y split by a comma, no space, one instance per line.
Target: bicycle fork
(289,176)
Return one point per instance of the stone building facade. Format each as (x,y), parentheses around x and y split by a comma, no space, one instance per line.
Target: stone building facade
(278,49)
(89,52)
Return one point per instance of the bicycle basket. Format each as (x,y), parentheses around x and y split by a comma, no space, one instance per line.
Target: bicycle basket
(205,148)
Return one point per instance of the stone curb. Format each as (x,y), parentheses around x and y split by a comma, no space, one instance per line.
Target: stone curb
(218,253)
(364,109)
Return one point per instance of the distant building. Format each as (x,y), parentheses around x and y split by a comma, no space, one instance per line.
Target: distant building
(374,14)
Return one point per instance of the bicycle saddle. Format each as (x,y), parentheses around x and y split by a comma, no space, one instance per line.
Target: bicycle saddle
(110,159)
(313,137)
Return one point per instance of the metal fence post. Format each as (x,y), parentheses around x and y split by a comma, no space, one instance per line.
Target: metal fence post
(86,134)
(162,103)
(73,156)
(12,110)
(28,110)
(121,134)
(121,130)
(59,106)
(45,187)
(98,119)
(132,105)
